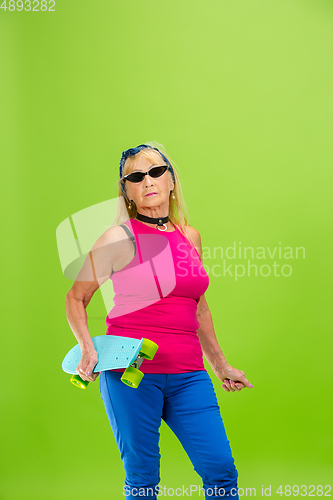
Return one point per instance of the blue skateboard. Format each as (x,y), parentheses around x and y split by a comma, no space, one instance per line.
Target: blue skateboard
(113,352)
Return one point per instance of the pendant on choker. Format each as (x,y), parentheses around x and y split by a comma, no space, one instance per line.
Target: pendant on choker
(159,221)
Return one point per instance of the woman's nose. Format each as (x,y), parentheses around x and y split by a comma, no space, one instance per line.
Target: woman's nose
(148,180)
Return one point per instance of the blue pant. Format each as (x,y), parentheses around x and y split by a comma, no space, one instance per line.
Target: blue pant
(187,403)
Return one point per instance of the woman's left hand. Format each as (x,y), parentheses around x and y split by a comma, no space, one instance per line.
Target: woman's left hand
(233,379)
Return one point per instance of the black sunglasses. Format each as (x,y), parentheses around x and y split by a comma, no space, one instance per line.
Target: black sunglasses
(153,172)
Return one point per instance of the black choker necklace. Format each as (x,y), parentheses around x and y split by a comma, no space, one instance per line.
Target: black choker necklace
(160,221)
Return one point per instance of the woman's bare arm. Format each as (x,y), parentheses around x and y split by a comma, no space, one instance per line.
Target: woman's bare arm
(233,379)
(96,269)
(209,343)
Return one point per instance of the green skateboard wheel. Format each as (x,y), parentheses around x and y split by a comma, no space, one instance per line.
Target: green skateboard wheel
(132,377)
(78,382)
(148,349)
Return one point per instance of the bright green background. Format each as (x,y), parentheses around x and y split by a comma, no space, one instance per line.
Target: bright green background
(240,94)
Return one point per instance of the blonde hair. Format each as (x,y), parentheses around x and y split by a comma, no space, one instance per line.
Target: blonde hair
(178,212)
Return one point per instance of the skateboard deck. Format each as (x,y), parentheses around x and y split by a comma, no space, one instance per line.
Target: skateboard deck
(113,352)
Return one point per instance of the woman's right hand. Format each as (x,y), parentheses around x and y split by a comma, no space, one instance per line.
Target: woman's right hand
(89,359)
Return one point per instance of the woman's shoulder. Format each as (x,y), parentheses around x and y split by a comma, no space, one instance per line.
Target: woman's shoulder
(120,242)
(115,233)
(193,233)
(195,237)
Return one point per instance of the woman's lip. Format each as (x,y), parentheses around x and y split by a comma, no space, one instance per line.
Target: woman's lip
(150,194)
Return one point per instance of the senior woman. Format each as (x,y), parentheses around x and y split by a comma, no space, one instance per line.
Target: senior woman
(154,259)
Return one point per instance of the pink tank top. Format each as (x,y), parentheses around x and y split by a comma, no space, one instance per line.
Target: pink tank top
(156,297)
